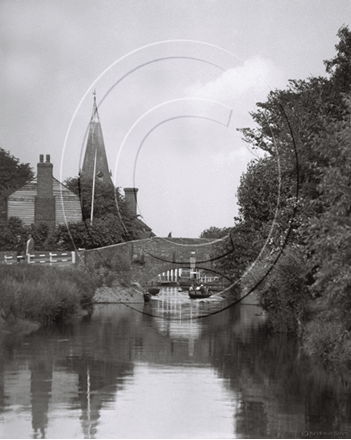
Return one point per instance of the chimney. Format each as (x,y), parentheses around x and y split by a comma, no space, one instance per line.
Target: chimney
(44,209)
(44,177)
(130,195)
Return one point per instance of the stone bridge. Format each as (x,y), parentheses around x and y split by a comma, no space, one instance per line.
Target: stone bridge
(142,260)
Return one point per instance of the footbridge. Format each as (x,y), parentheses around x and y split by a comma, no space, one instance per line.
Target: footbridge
(142,260)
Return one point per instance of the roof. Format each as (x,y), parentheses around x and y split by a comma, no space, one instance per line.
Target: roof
(95,158)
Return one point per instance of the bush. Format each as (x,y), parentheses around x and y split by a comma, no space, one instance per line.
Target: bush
(329,340)
(9,229)
(112,268)
(43,294)
(283,293)
(104,276)
(44,237)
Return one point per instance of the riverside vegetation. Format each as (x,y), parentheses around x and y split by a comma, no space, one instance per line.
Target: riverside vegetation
(304,133)
(32,295)
(42,294)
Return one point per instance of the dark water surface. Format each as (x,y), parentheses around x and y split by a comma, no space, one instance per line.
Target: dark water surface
(122,374)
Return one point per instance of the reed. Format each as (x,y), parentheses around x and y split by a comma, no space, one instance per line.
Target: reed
(41,293)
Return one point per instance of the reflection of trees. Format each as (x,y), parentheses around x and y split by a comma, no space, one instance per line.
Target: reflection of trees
(98,356)
(102,360)
(282,392)
(279,391)
(2,388)
(40,389)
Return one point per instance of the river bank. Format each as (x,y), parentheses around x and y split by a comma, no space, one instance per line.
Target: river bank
(35,295)
(119,294)
(42,294)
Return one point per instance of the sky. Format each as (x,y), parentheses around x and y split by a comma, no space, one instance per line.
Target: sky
(174,79)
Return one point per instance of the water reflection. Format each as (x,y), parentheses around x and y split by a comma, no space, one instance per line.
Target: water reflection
(123,374)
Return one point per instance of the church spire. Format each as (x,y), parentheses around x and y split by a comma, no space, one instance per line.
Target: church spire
(95,114)
(95,158)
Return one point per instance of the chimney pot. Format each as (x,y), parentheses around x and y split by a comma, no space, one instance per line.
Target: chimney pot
(48,158)
(41,158)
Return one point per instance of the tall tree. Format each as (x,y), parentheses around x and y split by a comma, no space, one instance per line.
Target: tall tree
(13,175)
(112,220)
(306,128)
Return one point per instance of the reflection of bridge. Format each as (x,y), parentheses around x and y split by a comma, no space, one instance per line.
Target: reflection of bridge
(142,260)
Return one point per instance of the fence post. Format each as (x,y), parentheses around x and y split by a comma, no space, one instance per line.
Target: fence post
(7,258)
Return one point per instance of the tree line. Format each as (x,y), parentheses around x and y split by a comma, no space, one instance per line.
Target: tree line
(295,201)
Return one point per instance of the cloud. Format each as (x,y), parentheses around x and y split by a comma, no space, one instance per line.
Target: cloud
(255,77)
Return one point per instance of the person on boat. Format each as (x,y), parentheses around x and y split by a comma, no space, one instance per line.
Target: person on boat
(202,288)
(194,284)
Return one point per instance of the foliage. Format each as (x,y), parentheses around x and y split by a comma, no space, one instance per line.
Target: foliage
(111,268)
(242,248)
(339,67)
(112,220)
(329,233)
(306,128)
(283,292)
(327,339)
(103,232)
(13,175)
(214,232)
(43,294)
(45,238)
(8,232)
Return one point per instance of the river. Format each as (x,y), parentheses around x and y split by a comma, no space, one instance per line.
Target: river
(164,373)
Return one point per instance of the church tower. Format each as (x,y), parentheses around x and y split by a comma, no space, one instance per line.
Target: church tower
(95,159)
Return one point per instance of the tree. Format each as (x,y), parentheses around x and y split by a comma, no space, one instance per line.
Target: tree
(329,233)
(13,175)
(307,127)
(9,229)
(339,68)
(112,220)
(214,232)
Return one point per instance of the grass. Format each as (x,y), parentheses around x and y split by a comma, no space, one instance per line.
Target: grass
(41,293)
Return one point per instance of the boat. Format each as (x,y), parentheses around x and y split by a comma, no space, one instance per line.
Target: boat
(153,290)
(199,292)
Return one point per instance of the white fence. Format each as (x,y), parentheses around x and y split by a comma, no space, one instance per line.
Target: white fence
(50,258)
